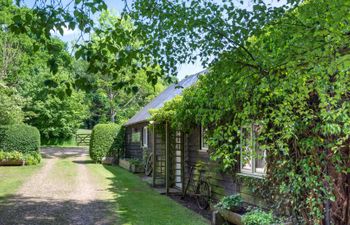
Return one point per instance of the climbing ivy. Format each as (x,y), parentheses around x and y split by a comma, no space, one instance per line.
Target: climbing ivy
(297,86)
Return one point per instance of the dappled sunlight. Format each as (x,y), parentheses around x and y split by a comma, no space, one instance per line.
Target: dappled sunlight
(36,211)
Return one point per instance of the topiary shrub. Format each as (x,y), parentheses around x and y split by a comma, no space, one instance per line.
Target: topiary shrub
(102,142)
(19,137)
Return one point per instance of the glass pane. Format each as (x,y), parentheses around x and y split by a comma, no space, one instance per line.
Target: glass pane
(260,162)
(144,139)
(136,135)
(247,147)
(204,144)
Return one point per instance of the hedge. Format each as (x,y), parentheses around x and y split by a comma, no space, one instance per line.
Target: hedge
(103,141)
(19,137)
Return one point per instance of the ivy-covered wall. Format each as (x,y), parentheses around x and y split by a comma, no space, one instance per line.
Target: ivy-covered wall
(295,83)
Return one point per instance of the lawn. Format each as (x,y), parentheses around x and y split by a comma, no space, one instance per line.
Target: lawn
(138,204)
(13,177)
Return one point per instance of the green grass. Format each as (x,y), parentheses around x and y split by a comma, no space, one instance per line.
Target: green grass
(13,177)
(84,131)
(138,204)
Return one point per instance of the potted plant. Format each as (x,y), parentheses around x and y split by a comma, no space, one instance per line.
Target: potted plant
(13,158)
(136,166)
(231,208)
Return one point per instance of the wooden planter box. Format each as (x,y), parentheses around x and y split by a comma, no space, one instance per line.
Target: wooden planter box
(232,217)
(125,163)
(108,160)
(12,163)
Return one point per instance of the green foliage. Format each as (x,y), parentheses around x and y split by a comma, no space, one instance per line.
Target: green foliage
(257,217)
(19,137)
(102,142)
(13,155)
(33,158)
(136,162)
(230,202)
(296,86)
(11,106)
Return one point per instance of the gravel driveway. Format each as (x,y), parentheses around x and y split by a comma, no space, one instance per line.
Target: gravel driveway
(64,191)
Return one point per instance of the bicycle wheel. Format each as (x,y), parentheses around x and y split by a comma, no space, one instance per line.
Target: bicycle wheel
(203,194)
(149,165)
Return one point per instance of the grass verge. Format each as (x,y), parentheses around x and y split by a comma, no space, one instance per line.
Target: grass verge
(13,177)
(138,204)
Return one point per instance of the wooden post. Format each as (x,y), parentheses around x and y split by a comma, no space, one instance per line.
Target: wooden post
(182,146)
(154,156)
(167,158)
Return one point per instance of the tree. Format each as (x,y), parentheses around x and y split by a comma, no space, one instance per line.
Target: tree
(118,83)
(296,87)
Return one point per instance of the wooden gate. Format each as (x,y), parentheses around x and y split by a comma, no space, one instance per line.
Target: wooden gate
(83,139)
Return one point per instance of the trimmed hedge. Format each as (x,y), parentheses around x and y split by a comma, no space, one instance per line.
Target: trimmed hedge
(102,142)
(19,137)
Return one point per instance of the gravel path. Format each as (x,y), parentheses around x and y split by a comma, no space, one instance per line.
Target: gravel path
(62,192)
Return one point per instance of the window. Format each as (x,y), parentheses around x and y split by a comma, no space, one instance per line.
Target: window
(204,141)
(135,135)
(252,157)
(145,137)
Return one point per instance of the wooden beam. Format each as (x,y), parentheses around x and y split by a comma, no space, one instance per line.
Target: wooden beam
(182,146)
(154,156)
(167,174)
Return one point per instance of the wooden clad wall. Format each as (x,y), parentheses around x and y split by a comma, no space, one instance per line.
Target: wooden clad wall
(135,149)
(222,184)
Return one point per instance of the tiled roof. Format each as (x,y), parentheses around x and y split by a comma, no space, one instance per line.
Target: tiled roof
(168,94)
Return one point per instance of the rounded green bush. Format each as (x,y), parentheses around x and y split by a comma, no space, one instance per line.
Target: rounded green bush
(102,142)
(19,137)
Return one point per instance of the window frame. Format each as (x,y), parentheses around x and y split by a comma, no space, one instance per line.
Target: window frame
(145,141)
(202,147)
(254,144)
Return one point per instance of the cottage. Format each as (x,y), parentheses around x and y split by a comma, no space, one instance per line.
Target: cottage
(179,158)
(141,141)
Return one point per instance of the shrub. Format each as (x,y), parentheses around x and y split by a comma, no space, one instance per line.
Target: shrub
(257,217)
(14,155)
(230,202)
(102,142)
(32,158)
(19,137)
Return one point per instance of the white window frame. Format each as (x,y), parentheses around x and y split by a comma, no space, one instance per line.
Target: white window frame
(253,171)
(145,137)
(202,147)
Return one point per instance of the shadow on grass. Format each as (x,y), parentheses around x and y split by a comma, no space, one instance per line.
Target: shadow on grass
(139,204)
(85,162)
(16,210)
(62,153)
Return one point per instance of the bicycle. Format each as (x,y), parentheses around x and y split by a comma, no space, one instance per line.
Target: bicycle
(202,191)
(149,165)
